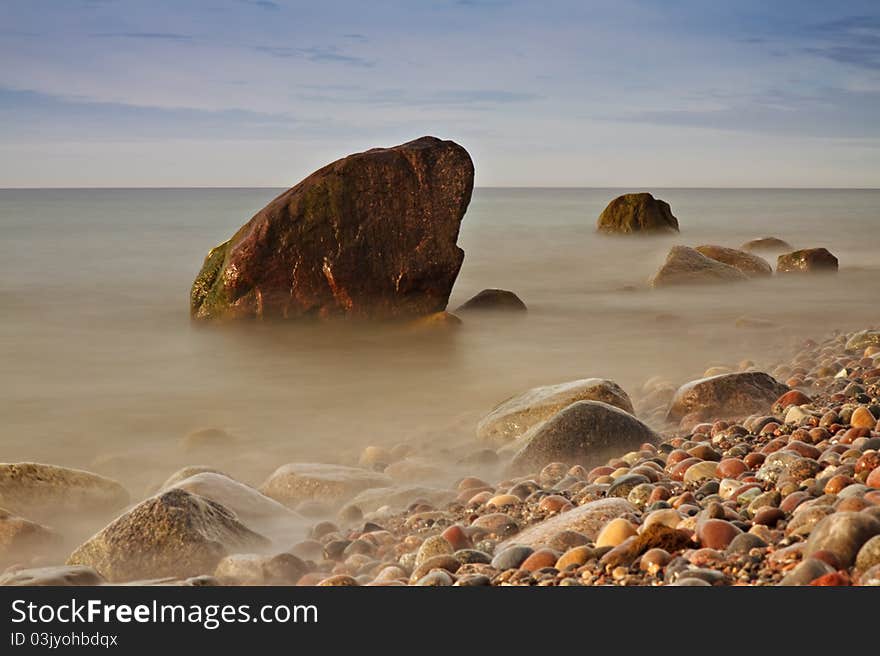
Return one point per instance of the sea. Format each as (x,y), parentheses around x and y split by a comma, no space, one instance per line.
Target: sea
(102,368)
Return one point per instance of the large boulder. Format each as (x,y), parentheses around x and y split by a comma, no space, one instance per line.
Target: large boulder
(766,244)
(172,534)
(587,519)
(255,509)
(493,300)
(515,416)
(726,396)
(40,491)
(371,235)
(332,484)
(637,213)
(808,260)
(586,433)
(687,266)
(751,265)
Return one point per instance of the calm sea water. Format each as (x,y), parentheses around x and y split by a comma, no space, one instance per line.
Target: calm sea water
(102,368)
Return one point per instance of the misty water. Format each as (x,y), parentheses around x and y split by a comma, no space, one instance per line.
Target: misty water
(102,368)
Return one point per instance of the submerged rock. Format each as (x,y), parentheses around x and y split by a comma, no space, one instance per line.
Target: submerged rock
(863,339)
(40,491)
(175,534)
(249,505)
(727,396)
(751,265)
(61,575)
(686,266)
(585,432)
(515,416)
(809,260)
(372,235)
(21,538)
(766,244)
(493,300)
(634,213)
(295,482)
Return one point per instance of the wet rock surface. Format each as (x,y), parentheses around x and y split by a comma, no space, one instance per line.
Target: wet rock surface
(637,213)
(687,266)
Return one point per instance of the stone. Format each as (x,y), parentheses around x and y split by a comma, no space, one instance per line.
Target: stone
(807,570)
(716,533)
(250,506)
(787,465)
(873,479)
(498,524)
(540,559)
(400,497)
(809,260)
(208,439)
(637,213)
(38,491)
(185,472)
(339,580)
(441,561)
(372,235)
(257,569)
(587,519)
(727,396)
(615,532)
(333,484)
(862,418)
(699,472)
(436,545)
(623,485)
(513,417)
(767,244)
(436,578)
(575,557)
(585,432)
(493,300)
(751,265)
(22,539)
(172,534)
(869,554)
(60,575)
(863,339)
(745,542)
(686,266)
(843,534)
(511,557)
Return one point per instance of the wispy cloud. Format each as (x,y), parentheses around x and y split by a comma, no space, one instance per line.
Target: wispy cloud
(853,40)
(471,98)
(149,36)
(267,5)
(330,54)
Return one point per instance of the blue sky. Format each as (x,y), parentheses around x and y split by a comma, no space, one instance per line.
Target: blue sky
(629,93)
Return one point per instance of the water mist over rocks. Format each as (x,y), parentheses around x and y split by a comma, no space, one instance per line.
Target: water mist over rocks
(346,454)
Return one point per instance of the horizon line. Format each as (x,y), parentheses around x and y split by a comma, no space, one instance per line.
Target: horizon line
(509,187)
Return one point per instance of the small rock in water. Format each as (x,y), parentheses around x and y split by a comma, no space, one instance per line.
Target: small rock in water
(686,266)
(751,265)
(493,300)
(809,260)
(766,244)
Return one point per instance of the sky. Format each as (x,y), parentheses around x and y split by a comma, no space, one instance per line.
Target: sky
(623,93)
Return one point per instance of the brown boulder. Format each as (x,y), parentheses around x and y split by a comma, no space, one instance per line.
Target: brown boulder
(633,213)
(751,265)
(726,396)
(42,491)
(686,266)
(372,235)
(518,414)
(808,260)
(586,433)
(172,534)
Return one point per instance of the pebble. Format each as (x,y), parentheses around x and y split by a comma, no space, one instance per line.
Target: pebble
(862,418)
(435,545)
(745,542)
(716,533)
(444,562)
(869,554)
(576,556)
(808,570)
(623,485)
(339,580)
(437,578)
(498,524)
(540,559)
(615,532)
(511,557)
(700,471)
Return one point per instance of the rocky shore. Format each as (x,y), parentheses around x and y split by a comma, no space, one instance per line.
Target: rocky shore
(743,477)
